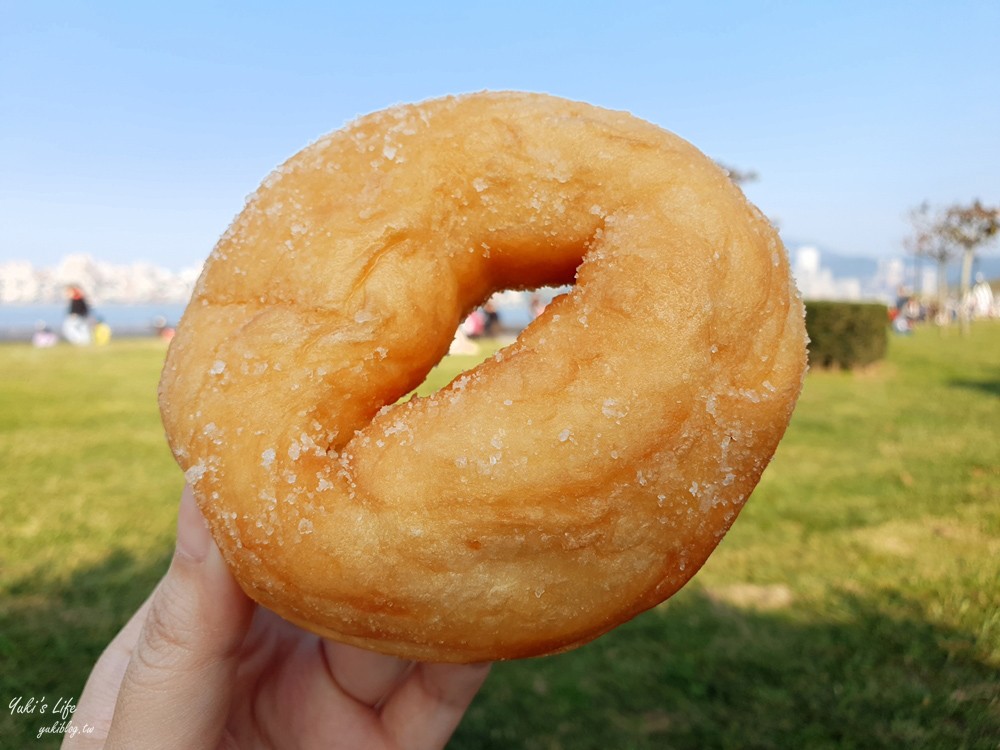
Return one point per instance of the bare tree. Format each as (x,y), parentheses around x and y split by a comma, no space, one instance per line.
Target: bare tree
(739,176)
(944,235)
(969,228)
(927,241)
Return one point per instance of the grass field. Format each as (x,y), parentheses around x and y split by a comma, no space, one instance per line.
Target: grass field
(855,604)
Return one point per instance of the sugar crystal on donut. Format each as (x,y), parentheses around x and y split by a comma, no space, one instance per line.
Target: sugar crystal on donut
(574,480)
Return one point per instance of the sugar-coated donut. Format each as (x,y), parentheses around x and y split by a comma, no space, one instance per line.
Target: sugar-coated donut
(577,478)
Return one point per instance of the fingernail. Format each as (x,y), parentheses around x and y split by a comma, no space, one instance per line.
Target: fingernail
(194,540)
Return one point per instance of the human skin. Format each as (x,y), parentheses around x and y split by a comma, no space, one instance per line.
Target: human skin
(200,665)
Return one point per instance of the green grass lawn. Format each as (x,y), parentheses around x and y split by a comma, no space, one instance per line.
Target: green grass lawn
(855,604)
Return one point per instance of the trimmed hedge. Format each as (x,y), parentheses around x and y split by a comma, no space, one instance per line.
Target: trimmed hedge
(846,334)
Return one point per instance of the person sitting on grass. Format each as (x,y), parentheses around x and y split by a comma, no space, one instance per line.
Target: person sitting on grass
(76,327)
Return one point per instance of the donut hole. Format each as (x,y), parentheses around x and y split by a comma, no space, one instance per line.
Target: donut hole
(475,341)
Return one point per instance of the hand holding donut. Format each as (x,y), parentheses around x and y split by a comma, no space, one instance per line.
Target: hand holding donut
(200,666)
(579,477)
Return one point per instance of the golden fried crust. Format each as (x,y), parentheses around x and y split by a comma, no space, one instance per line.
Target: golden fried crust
(581,476)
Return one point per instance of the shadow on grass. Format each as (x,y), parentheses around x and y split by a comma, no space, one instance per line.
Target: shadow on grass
(872,672)
(52,631)
(697,673)
(989,387)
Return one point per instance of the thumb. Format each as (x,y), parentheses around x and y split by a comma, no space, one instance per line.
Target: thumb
(178,685)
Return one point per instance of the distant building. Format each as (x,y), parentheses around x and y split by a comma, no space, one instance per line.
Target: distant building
(22,283)
(928,281)
(891,274)
(806,262)
(816,282)
(838,277)
(19,282)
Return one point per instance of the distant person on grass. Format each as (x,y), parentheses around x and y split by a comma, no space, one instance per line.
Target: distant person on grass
(76,327)
(43,337)
(102,332)
(200,665)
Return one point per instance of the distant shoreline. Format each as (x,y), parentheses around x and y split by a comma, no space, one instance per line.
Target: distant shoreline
(19,322)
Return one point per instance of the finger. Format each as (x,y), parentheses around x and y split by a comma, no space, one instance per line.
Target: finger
(426,708)
(178,684)
(362,675)
(97,702)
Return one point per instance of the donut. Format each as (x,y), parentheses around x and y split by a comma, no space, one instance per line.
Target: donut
(578,477)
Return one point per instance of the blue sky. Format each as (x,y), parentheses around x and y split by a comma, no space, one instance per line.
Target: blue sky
(134,131)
